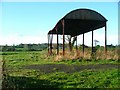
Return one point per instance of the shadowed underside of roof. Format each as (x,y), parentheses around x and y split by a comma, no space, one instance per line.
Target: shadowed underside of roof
(78,22)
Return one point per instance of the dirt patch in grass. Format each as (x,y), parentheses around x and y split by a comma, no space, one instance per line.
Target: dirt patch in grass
(49,68)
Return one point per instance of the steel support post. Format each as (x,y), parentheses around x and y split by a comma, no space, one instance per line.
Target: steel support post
(105,39)
(57,43)
(63,38)
(92,41)
(83,43)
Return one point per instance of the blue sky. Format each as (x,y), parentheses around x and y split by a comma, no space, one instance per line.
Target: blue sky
(29,22)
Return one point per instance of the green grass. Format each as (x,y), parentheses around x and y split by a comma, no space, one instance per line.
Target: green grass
(37,57)
(17,77)
(83,79)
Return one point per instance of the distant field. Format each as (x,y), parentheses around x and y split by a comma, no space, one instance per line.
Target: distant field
(34,69)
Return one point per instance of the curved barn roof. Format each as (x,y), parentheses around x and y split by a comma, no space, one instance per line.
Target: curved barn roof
(78,22)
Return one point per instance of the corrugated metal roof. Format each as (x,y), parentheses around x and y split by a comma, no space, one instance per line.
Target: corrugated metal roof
(79,21)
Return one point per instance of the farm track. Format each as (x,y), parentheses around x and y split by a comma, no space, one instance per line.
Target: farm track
(49,68)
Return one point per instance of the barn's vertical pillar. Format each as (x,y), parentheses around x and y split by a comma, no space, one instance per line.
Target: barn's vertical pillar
(57,42)
(63,23)
(51,38)
(76,44)
(83,43)
(105,38)
(92,42)
(48,43)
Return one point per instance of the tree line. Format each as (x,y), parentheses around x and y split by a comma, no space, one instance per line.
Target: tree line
(24,47)
(40,47)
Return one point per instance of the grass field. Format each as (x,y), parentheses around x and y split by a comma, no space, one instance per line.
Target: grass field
(37,70)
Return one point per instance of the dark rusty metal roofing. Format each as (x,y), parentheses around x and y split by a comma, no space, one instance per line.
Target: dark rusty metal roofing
(78,22)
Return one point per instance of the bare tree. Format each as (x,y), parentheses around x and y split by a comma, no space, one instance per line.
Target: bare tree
(71,40)
(96,41)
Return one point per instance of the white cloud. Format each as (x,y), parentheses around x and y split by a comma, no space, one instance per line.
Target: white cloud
(42,38)
(111,39)
(17,39)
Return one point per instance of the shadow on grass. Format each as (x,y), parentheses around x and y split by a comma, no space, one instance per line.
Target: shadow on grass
(17,83)
(51,68)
